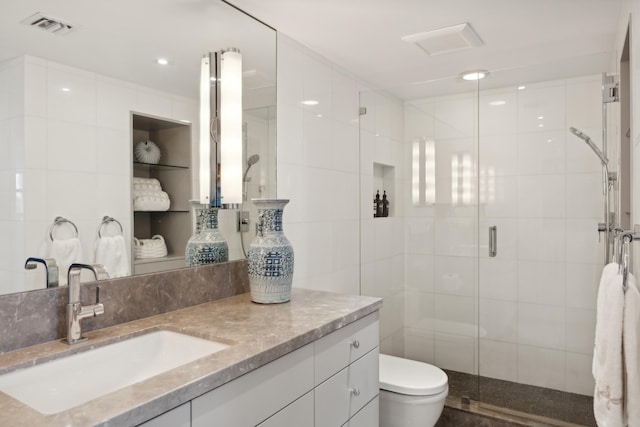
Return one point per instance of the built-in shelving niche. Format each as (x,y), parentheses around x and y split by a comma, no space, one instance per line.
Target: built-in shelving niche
(173,138)
(384,180)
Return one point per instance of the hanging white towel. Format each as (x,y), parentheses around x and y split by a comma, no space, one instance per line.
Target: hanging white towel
(66,252)
(631,345)
(111,251)
(608,369)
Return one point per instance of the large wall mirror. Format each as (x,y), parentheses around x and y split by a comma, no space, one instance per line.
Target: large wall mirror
(80,87)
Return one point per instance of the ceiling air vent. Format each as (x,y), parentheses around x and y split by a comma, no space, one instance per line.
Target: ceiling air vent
(444,40)
(48,24)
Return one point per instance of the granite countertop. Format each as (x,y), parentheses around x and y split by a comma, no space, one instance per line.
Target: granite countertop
(257,334)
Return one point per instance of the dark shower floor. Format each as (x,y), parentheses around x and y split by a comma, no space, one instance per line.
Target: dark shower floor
(527,405)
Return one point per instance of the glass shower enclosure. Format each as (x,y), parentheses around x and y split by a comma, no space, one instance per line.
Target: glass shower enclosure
(490,258)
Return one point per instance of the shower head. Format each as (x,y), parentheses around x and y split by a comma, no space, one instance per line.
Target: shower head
(592,145)
(252,160)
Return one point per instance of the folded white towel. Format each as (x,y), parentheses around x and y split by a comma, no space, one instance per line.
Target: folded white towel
(111,251)
(66,252)
(631,345)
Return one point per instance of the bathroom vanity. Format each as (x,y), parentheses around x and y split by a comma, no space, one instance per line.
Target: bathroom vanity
(310,362)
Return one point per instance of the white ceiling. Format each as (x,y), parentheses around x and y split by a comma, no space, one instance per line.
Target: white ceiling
(363,36)
(123,39)
(540,39)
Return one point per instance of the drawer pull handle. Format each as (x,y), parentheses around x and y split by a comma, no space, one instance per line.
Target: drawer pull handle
(355,344)
(355,391)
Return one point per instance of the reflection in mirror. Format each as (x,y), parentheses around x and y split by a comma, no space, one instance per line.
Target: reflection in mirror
(78,96)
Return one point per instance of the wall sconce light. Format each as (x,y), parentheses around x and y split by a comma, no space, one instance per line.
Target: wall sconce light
(221,122)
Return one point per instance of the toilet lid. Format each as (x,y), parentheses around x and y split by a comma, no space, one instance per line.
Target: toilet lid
(410,377)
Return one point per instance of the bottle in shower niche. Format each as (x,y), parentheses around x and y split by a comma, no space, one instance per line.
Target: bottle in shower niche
(377,205)
(385,204)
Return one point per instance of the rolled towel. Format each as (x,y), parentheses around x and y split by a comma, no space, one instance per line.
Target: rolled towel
(150,200)
(66,252)
(146,184)
(111,251)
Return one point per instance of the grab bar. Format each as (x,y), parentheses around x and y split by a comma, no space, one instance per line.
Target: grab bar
(626,237)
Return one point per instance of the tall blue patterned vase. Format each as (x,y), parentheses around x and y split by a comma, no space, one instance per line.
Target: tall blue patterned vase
(206,246)
(270,255)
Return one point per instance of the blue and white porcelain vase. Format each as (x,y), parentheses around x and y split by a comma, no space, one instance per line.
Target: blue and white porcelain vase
(206,246)
(270,255)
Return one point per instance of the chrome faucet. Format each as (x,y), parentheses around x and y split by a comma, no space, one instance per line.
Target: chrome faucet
(75,310)
(50,266)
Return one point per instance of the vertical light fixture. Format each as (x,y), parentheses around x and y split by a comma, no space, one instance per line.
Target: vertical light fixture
(224,129)
(230,122)
(205,131)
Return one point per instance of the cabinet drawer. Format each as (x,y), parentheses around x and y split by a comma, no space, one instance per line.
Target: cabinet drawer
(345,393)
(340,348)
(298,414)
(177,417)
(255,396)
(369,416)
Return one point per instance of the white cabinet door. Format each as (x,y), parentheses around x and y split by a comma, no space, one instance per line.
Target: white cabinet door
(345,393)
(369,416)
(254,397)
(297,414)
(178,417)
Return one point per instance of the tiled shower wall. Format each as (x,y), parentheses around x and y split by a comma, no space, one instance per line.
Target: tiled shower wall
(542,187)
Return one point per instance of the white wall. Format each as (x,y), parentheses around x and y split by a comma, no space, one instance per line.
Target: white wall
(318,168)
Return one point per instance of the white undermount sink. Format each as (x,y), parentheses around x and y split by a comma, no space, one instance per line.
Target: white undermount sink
(61,384)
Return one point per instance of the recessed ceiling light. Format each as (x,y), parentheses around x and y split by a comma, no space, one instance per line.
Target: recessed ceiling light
(540,117)
(540,125)
(65,89)
(310,102)
(522,87)
(497,103)
(474,75)
(162,61)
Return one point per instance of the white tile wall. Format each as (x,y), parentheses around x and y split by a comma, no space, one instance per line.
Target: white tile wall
(70,146)
(318,170)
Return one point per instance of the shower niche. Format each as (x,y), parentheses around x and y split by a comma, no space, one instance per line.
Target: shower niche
(384,184)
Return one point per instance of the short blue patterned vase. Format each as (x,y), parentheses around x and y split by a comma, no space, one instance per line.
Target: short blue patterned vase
(206,246)
(270,255)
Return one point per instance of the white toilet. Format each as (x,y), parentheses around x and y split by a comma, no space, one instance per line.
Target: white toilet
(412,393)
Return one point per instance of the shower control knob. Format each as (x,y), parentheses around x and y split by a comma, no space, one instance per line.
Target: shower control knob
(355,391)
(355,344)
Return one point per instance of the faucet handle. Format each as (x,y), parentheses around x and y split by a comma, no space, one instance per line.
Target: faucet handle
(97,294)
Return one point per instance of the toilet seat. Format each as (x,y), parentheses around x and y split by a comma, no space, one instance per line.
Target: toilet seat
(411,377)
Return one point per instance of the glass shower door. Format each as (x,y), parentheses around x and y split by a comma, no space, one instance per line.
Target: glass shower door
(541,188)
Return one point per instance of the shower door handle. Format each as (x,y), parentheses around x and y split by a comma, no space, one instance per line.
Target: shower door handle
(493,240)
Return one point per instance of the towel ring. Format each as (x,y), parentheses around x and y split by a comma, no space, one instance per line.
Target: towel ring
(106,220)
(59,221)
